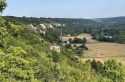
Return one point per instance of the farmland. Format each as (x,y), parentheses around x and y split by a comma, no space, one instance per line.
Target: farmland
(104,50)
(101,51)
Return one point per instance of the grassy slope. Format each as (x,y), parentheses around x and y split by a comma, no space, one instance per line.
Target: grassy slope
(26,57)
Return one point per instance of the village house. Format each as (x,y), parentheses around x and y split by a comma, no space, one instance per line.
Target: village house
(109,37)
(55,47)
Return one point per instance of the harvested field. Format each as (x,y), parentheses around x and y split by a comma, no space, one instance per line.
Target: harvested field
(102,51)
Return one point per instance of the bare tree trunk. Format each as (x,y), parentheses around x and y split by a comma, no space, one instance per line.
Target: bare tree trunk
(0,13)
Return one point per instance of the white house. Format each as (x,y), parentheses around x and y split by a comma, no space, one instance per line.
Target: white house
(56,48)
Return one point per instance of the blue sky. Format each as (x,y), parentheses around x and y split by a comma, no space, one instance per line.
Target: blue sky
(66,8)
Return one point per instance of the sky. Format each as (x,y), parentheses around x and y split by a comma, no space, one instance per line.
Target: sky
(66,8)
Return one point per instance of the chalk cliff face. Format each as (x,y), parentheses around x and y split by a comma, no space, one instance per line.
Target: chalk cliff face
(43,27)
(33,27)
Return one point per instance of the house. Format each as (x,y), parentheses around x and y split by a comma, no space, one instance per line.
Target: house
(56,48)
(76,45)
(109,37)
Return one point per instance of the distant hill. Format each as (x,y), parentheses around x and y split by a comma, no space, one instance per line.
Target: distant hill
(72,26)
(68,25)
(111,20)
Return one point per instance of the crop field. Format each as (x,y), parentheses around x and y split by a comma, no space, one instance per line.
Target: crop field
(102,51)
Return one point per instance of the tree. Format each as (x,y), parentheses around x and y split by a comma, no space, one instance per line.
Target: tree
(114,70)
(84,40)
(97,65)
(3,5)
(70,40)
(55,57)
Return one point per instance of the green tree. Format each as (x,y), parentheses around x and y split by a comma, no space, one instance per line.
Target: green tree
(55,57)
(84,40)
(114,70)
(3,5)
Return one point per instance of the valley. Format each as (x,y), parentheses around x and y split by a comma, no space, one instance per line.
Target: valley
(34,48)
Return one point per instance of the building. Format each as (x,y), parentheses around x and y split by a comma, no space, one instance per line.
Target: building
(56,48)
(108,37)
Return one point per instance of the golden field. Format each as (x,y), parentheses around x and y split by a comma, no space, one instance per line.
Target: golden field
(101,51)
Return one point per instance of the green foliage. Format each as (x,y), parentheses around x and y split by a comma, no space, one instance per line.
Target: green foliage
(55,57)
(79,41)
(2,22)
(52,35)
(114,70)
(117,34)
(3,5)
(79,51)
(14,29)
